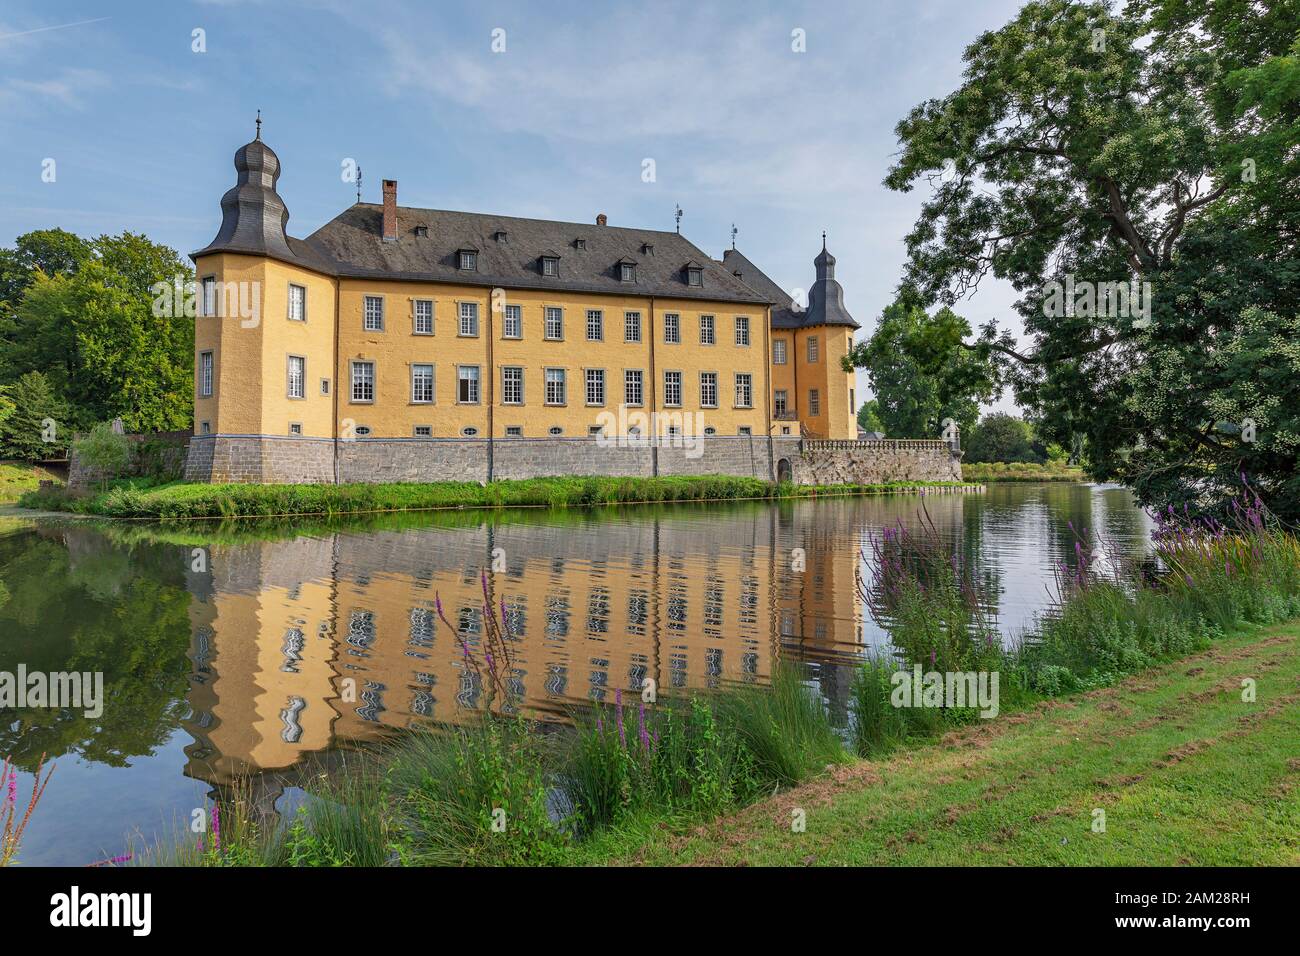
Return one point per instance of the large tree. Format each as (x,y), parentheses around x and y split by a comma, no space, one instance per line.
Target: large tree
(920,374)
(1152,147)
(82,313)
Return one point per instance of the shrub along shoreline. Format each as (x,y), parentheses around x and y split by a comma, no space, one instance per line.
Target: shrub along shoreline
(141,499)
(505,791)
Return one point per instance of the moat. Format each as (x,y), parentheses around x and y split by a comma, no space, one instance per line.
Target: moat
(267,651)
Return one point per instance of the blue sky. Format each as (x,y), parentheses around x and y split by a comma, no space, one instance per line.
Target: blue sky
(740,127)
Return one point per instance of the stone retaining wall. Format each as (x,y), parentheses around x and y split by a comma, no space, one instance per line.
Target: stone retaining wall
(272,459)
(153,455)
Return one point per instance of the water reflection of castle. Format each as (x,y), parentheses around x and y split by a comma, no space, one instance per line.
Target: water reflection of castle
(688,599)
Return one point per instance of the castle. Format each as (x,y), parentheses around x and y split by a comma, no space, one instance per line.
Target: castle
(408,344)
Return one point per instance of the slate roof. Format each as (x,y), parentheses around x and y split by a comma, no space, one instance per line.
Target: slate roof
(825,297)
(353,241)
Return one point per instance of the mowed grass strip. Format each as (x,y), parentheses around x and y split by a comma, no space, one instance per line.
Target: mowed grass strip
(1186,772)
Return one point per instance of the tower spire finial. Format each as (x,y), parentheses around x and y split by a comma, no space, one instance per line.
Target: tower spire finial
(733,235)
(677,214)
(823,240)
(358,182)
(258,137)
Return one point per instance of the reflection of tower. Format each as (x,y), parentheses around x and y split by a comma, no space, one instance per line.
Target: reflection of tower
(261,617)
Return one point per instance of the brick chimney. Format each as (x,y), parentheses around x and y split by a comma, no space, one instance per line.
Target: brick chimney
(600,219)
(390,208)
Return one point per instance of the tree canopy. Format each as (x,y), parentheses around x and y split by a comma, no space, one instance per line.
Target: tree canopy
(919,373)
(1143,161)
(80,313)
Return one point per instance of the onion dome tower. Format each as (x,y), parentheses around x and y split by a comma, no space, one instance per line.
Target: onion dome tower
(826,297)
(253,216)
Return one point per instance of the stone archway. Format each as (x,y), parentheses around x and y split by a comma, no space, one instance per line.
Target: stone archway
(784,473)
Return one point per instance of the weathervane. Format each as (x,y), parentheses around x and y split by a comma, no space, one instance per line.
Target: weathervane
(259,125)
(358,182)
(678,216)
(733,235)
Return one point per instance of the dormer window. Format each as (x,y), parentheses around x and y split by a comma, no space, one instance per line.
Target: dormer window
(501,237)
(467,260)
(694,274)
(549,263)
(626,270)
(647,249)
(422,232)
(580,244)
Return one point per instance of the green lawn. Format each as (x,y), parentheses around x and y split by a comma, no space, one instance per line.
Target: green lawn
(180,500)
(984,472)
(1186,772)
(18,478)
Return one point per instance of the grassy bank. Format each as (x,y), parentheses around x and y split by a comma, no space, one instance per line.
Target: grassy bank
(17,478)
(985,472)
(1185,771)
(1186,767)
(181,500)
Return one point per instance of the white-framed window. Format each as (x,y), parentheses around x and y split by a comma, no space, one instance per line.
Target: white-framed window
(695,277)
(708,389)
(595,431)
(295,428)
(374,319)
(814,402)
(363,381)
(512,385)
(595,386)
(205,428)
(468,260)
(469,431)
(744,431)
(780,401)
(554,322)
(710,430)
(423,431)
(707,336)
(632,327)
(469,318)
(550,266)
(206,364)
(627,272)
(555,386)
(297,376)
(742,330)
(422,383)
(595,325)
(672,388)
(512,327)
(672,328)
(555,430)
(514,431)
(633,386)
(362,430)
(423,317)
(297,302)
(324,386)
(467,384)
(210,295)
(812,349)
(778,351)
(744,390)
